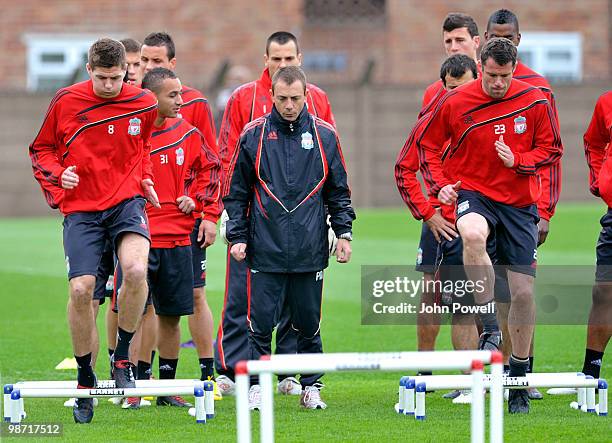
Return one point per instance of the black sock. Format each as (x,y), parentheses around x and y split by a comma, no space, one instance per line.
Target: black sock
(488,319)
(506,369)
(110,352)
(530,368)
(85,374)
(122,351)
(144,370)
(167,368)
(518,366)
(592,362)
(207,367)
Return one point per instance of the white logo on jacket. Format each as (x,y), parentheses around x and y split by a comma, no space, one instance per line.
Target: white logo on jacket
(307,141)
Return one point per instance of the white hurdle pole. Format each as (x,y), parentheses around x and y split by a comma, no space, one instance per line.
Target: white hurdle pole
(603,397)
(199,405)
(266,416)
(409,397)
(110,392)
(209,399)
(477,408)
(108,384)
(314,363)
(401,394)
(243,415)
(590,396)
(540,380)
(496,409)
(8,389)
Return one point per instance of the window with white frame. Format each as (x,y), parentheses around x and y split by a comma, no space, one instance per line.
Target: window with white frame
(555,55)
(56,60)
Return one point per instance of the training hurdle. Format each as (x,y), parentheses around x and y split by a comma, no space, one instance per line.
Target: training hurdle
(396,361)
(586,386)
(14,394)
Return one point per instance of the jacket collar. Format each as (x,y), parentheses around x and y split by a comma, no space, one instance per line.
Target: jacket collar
(296,127)
(265,80)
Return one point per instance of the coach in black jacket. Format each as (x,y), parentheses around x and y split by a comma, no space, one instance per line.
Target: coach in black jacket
(288,168)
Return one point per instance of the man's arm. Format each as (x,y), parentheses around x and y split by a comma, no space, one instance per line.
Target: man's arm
(547,147)
(322,106)
(45,155)
(550,177)
(596,142)
(238,193)
(336,192)
(435,136)
(229,134)
(147,166)
(207,187)
(203,120)
(406,168)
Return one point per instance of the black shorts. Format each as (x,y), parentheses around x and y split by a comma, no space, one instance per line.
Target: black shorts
(105,274)
(427,252)
(603,271)
(86,233)
(170,280)
(515,230)
(198,257)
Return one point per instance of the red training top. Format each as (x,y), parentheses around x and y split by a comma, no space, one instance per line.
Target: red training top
(106,139)
(473,121)
(183,164)
(597,140)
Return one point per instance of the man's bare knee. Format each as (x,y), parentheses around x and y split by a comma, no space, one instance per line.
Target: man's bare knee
(602,295)
(199,296)
(81,291)
(474,239)
(134,273)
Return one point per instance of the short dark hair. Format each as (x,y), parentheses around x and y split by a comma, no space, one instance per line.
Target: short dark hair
(502,17)
(131,45)
(282,37)
(155,77)
(500,49)
(289,75)
(456,66)
(161,39)
(106,53)
(456,20)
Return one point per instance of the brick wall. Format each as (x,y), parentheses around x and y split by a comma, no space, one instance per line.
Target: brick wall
(407,46)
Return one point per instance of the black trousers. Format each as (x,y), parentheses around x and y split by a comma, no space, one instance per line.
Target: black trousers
(231,344)
(303,295)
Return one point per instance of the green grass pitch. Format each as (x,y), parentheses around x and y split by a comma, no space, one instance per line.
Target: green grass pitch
(34,338)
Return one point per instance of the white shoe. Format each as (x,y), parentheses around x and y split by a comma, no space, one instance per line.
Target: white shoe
(226,385)
(115,400)
(289,386)
(465,398)
(255,397)
(311,398)
(71,401)
(396,407)
(562,391)
(506,394)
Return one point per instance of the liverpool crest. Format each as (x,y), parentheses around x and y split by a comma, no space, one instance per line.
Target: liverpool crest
(520,124)
(307,141)
(180,156)
(134,127)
